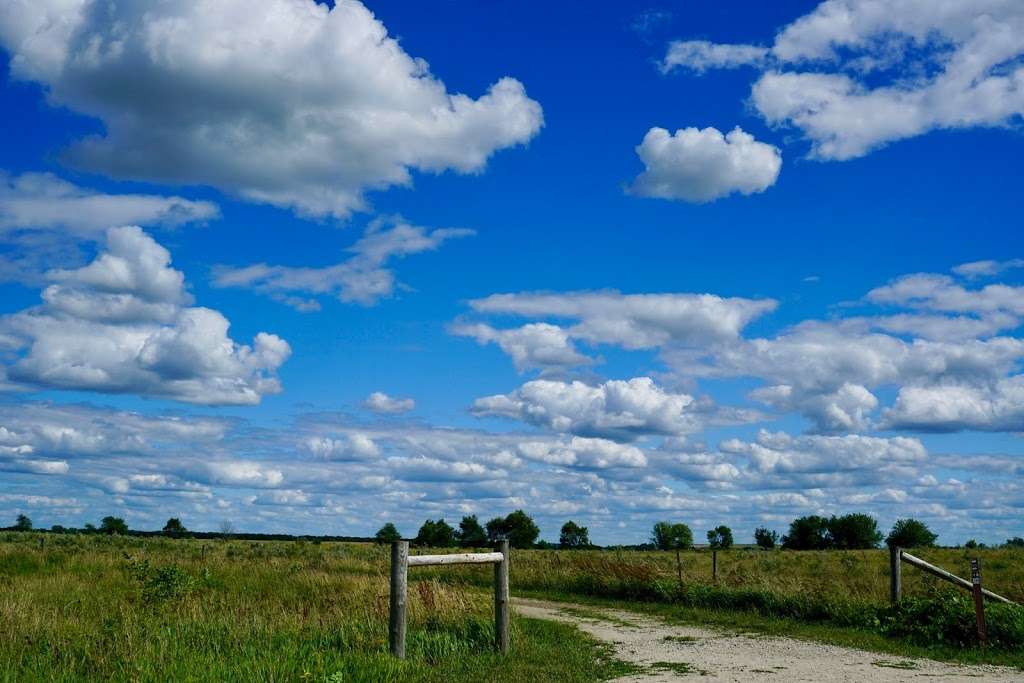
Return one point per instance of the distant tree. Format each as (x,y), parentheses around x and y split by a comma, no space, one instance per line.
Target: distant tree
(89,528)
(227,529)
(387,534)
(1015,542)
(58,529)
(113,525)
(807,533)
(910,533)
(573,536)
(22,523)
(766,538)
(437,534)
(496,529)
(720,538)
(668,536)
(544,545)
(518,527)
(470,533)
(174,528)
(972,544)
(854,531)
(521,530)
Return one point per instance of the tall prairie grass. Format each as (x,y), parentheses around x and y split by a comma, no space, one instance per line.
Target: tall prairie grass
(83,608)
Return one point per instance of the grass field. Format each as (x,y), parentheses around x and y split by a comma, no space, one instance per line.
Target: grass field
(127,609)
(121,608)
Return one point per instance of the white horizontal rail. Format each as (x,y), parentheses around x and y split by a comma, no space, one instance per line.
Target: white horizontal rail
(459,558)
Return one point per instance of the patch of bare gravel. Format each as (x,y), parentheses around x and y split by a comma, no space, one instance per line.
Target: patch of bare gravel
(683,653)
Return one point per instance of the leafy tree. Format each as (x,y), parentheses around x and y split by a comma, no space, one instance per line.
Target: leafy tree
(720,538)
(58,529)
(387,534)
(174,527)
(807,533)
(22,523)
(437,534)
(1015,542)
(855,531)
(113,525)
(471,534)
(518,527)
(573,536)
(766,538)
(667,536)
(90,528)
(910,533)
(521,530)
(972,544)
(496,529)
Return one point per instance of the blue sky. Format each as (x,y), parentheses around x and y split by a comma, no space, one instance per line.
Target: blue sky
(816,313)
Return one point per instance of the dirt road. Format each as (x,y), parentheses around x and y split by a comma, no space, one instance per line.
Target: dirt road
(686,653)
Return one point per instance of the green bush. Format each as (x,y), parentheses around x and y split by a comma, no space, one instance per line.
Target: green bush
(947,617)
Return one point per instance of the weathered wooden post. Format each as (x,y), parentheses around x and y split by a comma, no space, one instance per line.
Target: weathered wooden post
(501,599)
(399,588)
(895,574)
(979,600)
(714,566)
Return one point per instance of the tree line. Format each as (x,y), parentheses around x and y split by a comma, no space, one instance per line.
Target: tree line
(855,531)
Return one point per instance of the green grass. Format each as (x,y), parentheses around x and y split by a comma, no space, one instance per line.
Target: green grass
(127,609)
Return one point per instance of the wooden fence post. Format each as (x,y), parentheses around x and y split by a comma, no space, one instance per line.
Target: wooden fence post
(895,574)
(399,588)
(979,600)
(501,599)
(714,566)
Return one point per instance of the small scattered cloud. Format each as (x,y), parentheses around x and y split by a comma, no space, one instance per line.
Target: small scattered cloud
(379,402)
(363,278)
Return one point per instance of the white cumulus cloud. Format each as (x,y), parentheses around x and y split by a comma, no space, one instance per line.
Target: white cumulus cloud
(702,165)
(123,324)
(290,102)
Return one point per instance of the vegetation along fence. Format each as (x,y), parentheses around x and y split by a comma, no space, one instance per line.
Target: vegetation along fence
(899,555)
(400,563)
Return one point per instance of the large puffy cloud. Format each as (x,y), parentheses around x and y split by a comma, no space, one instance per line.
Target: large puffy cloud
(122,324)
(615,409)
(633,321)
(827,371)
(362,278)
(994,406)
(296,104)
(703,165)
(780,453)
(42,201)
(854,75)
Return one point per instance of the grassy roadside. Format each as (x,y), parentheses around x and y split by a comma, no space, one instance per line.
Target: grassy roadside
(756,624)
(113,609)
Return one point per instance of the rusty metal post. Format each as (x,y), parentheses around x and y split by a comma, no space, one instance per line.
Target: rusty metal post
(979,600)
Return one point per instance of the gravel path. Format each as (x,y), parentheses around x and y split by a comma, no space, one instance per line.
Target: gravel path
(688,653)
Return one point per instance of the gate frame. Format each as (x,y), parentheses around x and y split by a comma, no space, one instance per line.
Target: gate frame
(400,563)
